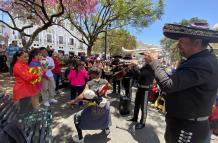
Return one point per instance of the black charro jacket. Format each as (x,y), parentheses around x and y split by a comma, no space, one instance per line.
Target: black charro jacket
(192,90)
(144,75)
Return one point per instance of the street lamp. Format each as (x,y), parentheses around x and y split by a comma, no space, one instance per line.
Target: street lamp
(105,41)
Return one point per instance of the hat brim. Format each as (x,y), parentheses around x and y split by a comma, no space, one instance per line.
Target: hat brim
(117,56)
(175,32)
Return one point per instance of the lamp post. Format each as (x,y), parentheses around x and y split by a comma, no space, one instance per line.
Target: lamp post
(105,45)
(105,41)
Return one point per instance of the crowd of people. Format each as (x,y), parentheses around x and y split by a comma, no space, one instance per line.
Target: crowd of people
(186,94)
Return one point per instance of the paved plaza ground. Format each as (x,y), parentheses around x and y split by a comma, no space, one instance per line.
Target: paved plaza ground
(122,131)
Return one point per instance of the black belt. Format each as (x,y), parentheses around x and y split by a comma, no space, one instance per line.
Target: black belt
(199,119)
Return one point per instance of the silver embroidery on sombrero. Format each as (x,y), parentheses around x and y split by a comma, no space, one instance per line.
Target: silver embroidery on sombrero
(189,31)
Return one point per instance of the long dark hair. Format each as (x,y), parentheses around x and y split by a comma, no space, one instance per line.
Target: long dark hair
(76,67)
(32,54)
(16,55)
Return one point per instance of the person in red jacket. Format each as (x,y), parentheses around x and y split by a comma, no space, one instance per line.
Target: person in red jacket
(23,89)
(57,70)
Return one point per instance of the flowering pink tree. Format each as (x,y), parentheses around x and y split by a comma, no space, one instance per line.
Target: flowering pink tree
(93,17)
(33,13)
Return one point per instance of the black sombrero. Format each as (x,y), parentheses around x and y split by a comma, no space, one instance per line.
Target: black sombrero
(75,57)
(195,30)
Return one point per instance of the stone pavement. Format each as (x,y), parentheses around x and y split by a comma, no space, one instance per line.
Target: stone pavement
(6,83)
(122,131)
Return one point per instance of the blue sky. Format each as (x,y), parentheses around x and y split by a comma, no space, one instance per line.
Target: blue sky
(175,11)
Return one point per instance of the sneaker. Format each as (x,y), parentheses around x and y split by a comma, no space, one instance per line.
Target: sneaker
(77,140)
(57,92)
(53,101)
(47,104)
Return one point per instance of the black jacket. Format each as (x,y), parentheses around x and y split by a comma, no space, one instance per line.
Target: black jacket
(192,90)
(144,75)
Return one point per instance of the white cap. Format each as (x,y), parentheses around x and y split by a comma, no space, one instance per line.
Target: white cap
(89,94)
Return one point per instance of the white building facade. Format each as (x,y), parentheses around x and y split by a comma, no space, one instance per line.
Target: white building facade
(55,38)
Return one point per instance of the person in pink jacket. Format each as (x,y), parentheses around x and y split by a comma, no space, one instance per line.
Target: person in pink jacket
(77,77)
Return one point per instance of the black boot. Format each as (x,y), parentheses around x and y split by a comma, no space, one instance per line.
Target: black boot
(132,119)
(139,125)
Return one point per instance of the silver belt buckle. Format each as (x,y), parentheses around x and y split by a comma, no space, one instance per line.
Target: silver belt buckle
(199,119)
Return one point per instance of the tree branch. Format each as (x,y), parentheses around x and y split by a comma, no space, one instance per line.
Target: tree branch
(83,41)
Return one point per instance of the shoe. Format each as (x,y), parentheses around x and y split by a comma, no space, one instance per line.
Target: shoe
(77,140)
(47,104)
(57,93)
(139,125)
(114,92)
(53,100)
(132,120)
(107,131)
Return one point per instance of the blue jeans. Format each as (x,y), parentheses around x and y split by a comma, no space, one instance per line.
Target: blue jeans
(56,78)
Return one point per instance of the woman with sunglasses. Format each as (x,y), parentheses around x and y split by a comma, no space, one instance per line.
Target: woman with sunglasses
(77,77)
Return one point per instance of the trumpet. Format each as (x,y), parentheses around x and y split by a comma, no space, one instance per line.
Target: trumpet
(140,51)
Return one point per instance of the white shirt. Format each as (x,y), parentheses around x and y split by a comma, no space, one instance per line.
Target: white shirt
(50,63)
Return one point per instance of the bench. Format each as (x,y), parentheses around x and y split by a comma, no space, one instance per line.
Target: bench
(36,125)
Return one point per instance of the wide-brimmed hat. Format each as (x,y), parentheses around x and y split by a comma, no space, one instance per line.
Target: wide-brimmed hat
(195,30)
(75,57)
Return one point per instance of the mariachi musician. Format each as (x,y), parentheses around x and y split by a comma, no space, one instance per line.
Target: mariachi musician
(115,69)
(144,77)
(127,76)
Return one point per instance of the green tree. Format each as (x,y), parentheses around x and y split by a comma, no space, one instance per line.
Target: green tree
(170,45)
(115,39)
(112,14)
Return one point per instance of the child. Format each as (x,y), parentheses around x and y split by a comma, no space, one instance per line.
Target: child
(34,61)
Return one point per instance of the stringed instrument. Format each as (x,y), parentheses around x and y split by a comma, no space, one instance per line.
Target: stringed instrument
(119,74)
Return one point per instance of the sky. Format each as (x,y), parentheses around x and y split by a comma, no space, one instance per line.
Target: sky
(175,11)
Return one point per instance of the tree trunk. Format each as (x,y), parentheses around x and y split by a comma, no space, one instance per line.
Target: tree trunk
(26,43)
(89,51)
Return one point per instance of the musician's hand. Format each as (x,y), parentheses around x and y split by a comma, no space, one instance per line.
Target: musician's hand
(150,56)
(133,63)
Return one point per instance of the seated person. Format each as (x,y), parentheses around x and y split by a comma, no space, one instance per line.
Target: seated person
(96,115)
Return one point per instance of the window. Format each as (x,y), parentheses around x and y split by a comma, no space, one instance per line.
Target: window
(61,39)
(81,45)
(37,38)
(49,38)
(71,41)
